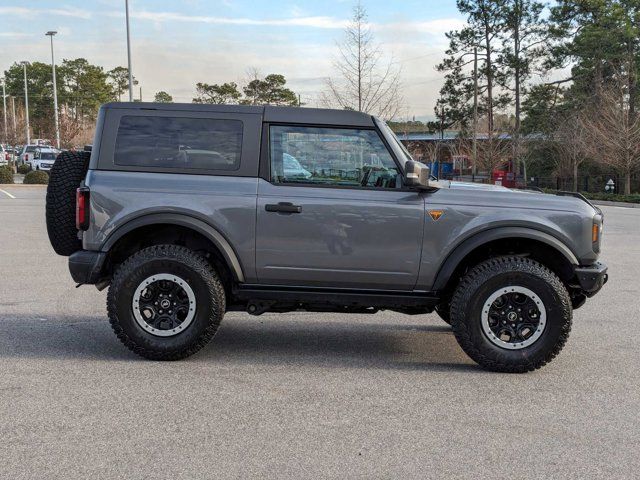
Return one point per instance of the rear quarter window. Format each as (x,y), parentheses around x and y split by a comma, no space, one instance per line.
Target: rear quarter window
(179,142)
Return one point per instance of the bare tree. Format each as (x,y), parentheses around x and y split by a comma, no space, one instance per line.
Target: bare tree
(570,139)
(493,152)
(69,129)
(425,152)
(363,82)
(16,136)
(612,133)
(461,149)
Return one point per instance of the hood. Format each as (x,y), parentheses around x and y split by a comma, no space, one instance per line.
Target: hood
(467,193)
(468,185)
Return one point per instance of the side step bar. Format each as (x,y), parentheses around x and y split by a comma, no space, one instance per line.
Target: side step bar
(261,299)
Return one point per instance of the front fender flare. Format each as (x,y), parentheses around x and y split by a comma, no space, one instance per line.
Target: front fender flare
(448,267)
(184,221)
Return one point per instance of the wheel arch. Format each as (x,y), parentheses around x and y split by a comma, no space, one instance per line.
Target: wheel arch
(542,246)
(184,223)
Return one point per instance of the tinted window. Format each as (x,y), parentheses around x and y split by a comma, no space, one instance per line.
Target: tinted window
(175,142)
(47,156)
(331,156)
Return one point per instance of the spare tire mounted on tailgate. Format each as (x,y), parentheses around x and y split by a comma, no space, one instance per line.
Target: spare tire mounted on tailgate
(67,172)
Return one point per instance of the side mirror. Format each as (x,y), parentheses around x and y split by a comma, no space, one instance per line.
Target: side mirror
(416,175)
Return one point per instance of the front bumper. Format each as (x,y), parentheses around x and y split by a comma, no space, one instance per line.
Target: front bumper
(86,266)
(592,277)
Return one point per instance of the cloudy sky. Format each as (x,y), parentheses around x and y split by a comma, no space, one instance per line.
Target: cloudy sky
(176,44)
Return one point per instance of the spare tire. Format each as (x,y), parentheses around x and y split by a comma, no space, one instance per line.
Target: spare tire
(67,172)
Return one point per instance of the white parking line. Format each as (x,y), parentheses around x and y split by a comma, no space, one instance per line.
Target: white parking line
(7,193)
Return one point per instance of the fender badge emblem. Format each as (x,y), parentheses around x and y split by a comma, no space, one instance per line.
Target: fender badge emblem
(435,214)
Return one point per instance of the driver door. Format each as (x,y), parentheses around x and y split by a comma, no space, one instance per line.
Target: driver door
(333,212)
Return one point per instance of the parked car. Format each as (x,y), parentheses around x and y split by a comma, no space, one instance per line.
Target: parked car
(182,235)
(26,154)
(5,155)
(44,158)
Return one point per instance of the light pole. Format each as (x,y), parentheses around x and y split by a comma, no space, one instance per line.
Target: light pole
(13,114)
(50,34)
(26,101)
(4,110)
(126,5)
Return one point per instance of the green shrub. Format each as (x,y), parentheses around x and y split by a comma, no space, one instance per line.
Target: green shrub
(37,177)
(24,168)
(610,197)
(613,197)
(6,174)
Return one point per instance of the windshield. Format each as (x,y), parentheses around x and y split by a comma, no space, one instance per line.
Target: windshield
(401,151)
(47,156)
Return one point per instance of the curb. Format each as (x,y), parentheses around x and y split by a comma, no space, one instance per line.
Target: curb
(615,204)
(21,185)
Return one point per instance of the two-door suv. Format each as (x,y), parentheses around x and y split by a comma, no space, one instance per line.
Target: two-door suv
(188,211)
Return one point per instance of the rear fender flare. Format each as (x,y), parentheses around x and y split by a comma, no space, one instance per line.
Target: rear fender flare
(184,221)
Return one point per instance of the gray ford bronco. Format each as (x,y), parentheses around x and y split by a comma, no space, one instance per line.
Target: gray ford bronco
(187,211)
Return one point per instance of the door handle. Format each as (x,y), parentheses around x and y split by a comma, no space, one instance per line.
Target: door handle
(283,207)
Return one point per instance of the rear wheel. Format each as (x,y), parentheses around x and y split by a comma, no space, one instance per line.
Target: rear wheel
(165,302)
(511,314)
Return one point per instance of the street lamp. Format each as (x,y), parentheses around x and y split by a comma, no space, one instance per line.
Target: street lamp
(50,34)
(26,101)
(126,6)
(4,110)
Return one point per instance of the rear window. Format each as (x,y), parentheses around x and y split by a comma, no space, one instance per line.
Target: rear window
(30,149)
(178,142)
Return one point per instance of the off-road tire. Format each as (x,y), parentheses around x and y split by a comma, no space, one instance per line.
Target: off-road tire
(474,290)
(444,312)
(172,259)
(65,176)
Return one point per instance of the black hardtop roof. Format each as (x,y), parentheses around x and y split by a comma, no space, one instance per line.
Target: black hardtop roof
(313,116)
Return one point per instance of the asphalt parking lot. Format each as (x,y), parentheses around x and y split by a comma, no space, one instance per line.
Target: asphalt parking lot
(304,395)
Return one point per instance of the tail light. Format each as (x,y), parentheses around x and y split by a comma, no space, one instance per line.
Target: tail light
(26,157)
(82,208)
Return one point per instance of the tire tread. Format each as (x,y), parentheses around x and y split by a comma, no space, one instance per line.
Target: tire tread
(200,265)
(469,285)
(67,172)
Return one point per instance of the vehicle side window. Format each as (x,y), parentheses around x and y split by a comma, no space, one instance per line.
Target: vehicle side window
(331,156)
(179,142)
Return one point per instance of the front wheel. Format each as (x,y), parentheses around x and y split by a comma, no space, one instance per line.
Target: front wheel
(511,314)
(444,312)
(165,302)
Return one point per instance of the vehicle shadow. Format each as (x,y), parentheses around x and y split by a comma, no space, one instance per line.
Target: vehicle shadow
(272,340)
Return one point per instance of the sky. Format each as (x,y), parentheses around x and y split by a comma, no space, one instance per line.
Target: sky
(176,44)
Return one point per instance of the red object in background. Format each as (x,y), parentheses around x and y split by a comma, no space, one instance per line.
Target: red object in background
(506,179)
